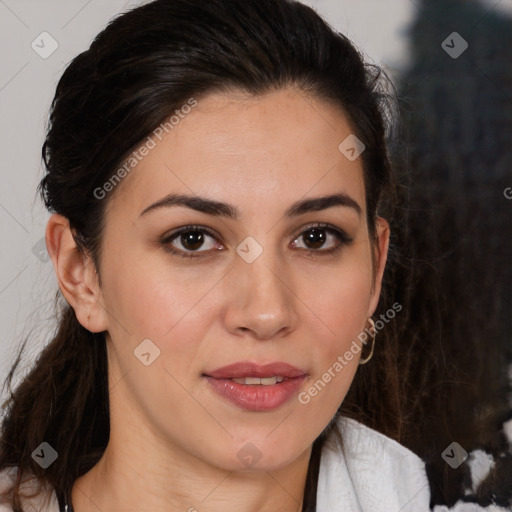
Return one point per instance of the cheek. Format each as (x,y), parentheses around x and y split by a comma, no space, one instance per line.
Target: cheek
(148,302)
(337,311)
(340,295)
(152,299)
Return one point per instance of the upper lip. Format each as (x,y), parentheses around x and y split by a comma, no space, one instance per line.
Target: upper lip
(249,369)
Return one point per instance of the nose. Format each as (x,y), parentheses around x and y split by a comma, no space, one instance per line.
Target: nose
(262,302)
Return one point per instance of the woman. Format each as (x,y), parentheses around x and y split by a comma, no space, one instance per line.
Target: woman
(221,196)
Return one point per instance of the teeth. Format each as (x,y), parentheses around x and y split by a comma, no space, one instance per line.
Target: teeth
(251,381)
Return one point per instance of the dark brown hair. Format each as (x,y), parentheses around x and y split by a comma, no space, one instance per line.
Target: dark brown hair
(143,66)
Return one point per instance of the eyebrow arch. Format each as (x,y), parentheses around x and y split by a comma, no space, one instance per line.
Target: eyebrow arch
(200,204)
(217,208)
(322,203)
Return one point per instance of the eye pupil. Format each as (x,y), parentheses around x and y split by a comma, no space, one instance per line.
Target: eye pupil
(192,240)
(314,238)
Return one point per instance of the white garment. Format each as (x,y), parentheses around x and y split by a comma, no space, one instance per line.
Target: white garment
(372,473)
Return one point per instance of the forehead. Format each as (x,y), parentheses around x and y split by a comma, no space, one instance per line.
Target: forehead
(249,151)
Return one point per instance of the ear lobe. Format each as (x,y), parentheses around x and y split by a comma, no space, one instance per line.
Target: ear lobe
(75,274)
(381,255)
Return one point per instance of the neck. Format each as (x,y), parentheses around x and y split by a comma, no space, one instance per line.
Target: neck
(123,481)
(141,470)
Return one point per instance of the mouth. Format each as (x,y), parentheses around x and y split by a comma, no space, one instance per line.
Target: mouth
(254,381)
(256,387)
(247,369)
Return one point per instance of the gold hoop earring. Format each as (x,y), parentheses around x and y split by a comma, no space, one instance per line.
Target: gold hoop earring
(372,326)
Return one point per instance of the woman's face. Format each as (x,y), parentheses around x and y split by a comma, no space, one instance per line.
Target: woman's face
(254,281)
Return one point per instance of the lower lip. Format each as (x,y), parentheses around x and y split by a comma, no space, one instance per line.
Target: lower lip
(256,397)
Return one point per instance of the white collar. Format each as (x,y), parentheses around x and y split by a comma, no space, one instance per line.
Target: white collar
(372,473)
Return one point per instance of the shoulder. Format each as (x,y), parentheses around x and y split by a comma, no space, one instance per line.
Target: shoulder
(38,499)
(363,444)
(370,472)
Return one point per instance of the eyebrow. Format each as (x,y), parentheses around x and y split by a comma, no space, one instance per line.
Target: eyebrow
(217,208)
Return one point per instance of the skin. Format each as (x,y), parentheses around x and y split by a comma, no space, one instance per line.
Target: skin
(174,441)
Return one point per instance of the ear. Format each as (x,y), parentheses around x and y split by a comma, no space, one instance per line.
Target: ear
(76,275)
(380,258)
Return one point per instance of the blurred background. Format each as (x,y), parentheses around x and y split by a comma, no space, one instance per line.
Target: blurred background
(450,62)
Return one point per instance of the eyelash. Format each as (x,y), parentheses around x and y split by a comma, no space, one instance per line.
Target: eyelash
(341,236)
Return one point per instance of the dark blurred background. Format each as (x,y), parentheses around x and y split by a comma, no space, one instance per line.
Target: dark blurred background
(455,241)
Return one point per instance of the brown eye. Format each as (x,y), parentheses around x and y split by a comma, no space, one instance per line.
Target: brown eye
(192,240)
(314,238)
(321,239)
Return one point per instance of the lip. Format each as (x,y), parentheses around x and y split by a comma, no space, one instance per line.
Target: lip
(249,369)
(256,397)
